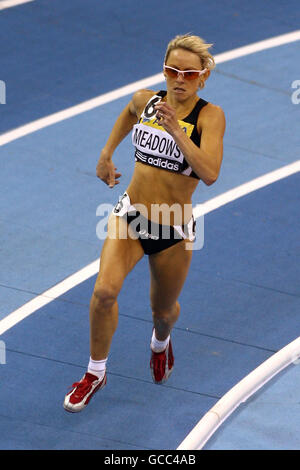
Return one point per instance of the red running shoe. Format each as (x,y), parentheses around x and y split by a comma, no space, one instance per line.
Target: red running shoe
(161,364)
(82,392)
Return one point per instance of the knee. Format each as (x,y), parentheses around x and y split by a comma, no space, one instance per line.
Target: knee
(104,296)
(164,313)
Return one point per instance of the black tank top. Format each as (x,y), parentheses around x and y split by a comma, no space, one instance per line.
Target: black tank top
(154,146)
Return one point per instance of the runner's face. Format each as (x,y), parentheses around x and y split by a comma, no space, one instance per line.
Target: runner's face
(180,87)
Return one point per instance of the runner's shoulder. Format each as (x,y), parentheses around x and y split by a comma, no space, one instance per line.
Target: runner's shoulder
(140,98)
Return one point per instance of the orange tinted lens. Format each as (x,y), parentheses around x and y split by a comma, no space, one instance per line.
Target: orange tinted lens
(188,75)
(191,75)
(171,72)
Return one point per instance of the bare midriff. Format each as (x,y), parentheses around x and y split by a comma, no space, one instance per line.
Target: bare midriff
(162,196)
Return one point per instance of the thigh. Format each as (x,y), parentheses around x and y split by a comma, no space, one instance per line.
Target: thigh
(120,253)
(168,269)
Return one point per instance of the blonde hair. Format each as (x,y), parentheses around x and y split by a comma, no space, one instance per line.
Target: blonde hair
(193,44)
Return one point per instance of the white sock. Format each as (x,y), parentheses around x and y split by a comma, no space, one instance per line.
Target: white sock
(158,346)
(97,368)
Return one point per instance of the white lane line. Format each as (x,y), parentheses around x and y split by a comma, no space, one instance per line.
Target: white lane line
(92,269)
(246,188)
(78,109)
(240,393)
(259,46)
(12,3)
(38,124)
(48,296)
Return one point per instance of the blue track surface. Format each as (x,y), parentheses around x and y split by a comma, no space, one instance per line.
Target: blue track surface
(242,297)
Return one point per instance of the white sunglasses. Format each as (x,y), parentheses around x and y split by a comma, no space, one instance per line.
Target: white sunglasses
(187,74)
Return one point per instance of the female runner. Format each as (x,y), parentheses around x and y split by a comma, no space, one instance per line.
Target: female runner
(178,140)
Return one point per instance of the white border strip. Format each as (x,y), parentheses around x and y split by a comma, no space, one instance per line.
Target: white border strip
(213,419)
(131,88)
(12,3)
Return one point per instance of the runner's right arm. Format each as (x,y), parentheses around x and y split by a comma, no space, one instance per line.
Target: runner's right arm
(106,170)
